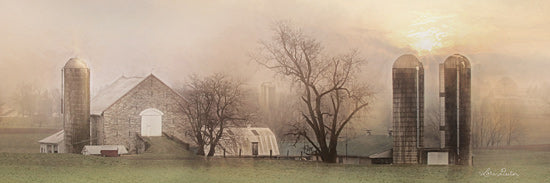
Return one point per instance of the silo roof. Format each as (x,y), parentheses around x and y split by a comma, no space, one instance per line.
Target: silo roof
(76,63)
(453,60)
(407,61)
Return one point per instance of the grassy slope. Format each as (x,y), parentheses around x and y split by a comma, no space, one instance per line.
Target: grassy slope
(532,167)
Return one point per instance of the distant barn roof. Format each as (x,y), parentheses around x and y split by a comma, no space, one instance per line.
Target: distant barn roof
(76,63)
(407,61)
(53,139)
(110,94)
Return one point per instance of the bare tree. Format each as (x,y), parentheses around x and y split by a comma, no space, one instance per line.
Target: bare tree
(498,122)
(330,92)
(212,104)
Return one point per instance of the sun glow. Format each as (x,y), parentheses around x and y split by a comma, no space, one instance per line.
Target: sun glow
(429,33)
(427,40)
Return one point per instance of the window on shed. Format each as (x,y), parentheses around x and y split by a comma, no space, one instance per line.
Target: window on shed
(255,132)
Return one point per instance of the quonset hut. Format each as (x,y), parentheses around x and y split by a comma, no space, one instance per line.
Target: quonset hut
(76,105)
(248,141)
(408,109)
(455,94)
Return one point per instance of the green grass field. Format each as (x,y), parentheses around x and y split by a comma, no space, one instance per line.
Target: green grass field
(22,165)
(531,166)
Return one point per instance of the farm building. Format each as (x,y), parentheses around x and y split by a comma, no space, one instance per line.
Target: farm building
(408,109)
(53,143)
(247,141)
(455,101)
(96,149)
(356,150)
(132,108)
(123,113)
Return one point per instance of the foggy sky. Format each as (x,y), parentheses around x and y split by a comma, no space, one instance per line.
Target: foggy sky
(173,39)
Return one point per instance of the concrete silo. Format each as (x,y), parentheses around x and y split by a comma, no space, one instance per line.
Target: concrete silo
(456,129)
(408,109)
(76,104)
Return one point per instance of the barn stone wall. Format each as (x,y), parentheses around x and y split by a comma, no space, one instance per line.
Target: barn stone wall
(121,123)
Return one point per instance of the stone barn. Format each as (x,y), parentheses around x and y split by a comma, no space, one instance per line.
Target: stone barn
(132,108)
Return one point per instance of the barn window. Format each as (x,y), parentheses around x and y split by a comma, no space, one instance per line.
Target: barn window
(255,148)
(255,132)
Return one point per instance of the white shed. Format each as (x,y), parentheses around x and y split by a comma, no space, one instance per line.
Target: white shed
(96,149)
(251,141)
(53,143)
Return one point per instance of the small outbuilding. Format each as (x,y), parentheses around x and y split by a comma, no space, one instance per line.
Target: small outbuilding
(53,143)
(248,141)
(384,157)
(96,150)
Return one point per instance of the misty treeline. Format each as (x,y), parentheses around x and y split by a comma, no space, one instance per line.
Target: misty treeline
(328,88)
(213,104)
(498,117)
(30,103)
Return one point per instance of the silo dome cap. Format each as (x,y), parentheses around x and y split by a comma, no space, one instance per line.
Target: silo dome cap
(453,60)
(407,61)
(75,63)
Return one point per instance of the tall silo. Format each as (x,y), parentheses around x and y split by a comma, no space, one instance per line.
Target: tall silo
(455,99)
(408,109)
(76,104)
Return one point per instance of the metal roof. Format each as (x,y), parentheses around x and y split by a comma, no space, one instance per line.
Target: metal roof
(96,149)
(383,154)
(56,138)
(407,61)
(110,94)
(453,60)
(242,138)
(76,63)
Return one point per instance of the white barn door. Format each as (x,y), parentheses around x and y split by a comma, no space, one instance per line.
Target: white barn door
(151,122)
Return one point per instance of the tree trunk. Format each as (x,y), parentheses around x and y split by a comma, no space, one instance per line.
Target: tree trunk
(329,157)
(212,150)
(200,151)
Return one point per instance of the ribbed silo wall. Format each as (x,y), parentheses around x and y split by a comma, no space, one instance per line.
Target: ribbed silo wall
(76,112)
(458,109)
(408,113)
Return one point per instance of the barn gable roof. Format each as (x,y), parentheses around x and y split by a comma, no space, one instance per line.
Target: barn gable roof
(115,91)
(53,139)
